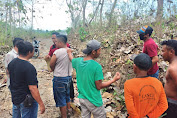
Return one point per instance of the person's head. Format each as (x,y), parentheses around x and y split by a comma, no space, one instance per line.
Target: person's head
(145,32)
(169,49)
(16,40)
(93,48)
(25,49)
(61,41)
(54,36)
(142,62)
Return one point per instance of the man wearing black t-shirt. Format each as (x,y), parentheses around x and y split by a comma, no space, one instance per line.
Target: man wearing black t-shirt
(24,84)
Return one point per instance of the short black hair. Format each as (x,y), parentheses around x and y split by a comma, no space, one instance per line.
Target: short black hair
(171,44)
(16,40)
(62,38)
(143,62)
(24,47)
(55,33)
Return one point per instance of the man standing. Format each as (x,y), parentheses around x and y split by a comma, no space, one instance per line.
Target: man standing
(48,57)
(89,80)
(169,53)
(24,84)
(10,56)
(144,95)
(62,68)
(150,48)
(53,47)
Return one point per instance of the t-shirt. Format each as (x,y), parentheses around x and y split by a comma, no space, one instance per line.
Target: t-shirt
(53,48)
(87,72)
(150,48)
(22,73)
(8,58)
(63,66)
(145,96)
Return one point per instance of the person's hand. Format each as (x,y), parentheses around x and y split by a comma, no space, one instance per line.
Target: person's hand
(116,76)
(47,57)
(42,108)
(69,50)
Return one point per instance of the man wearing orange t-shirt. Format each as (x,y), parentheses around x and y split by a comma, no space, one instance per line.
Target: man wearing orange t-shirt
(144,95)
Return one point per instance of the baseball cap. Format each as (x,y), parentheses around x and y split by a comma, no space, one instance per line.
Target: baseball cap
(145,29)
(92,45)
(143,61)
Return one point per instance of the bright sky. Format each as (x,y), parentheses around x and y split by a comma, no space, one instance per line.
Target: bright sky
(53,13)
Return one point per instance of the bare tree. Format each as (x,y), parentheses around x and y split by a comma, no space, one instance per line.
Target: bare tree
(74,10)
(95,12)
(159,9)
(111,13)
(101,12)
(84,4)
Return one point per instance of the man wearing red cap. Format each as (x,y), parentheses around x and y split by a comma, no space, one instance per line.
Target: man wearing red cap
(150,48)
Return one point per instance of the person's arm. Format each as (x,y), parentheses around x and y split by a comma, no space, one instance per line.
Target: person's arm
(53,62)
(69,51)
(155,59)
(99,84)
(35,93)
(130,102)
(161,106)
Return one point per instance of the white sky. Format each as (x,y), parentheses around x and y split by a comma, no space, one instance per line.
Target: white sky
(53,13)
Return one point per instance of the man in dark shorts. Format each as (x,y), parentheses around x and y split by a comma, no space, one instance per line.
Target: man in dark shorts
(62,68)
(24,84)
(169,53)
(48,57)
(150,48)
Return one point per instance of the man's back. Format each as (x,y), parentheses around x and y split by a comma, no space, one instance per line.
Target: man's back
(22,74)
(147,96)
(88,72)
(63,67)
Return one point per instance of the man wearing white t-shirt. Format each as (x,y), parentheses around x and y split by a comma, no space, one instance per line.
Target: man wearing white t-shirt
(10,56)
(62,67)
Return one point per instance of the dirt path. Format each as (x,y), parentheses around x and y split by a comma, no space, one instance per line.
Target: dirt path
(45,87)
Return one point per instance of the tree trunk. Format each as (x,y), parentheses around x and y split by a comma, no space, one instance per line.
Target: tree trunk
(111,13)
(84,4)
(159,10)
(101,11)
(95,12)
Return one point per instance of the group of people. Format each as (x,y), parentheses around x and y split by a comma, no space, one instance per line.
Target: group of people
(145,96)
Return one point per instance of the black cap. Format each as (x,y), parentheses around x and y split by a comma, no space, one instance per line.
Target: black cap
(145,29)
(143,61)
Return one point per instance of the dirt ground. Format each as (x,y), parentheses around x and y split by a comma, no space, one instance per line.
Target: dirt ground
(45,87)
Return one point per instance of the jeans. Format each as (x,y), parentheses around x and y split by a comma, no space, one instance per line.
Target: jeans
(156,75)
(19,111)
(61,90)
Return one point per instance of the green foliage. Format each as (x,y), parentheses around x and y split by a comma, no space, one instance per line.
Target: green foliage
(122,100)
(103,90)
(82,33)
(172,25)
(68,30)
(129,62)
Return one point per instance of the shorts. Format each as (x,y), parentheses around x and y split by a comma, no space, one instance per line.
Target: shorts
(171,112)
(87,108)
(61,90)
